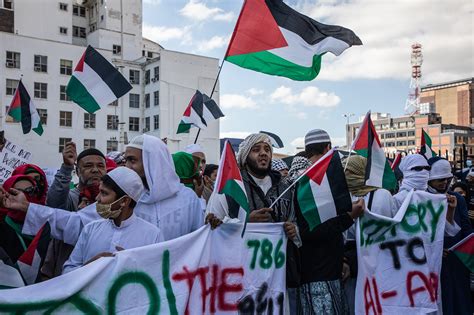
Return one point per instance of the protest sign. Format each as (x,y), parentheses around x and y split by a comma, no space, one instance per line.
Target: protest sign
(204,272)
(11,157)
(399,259)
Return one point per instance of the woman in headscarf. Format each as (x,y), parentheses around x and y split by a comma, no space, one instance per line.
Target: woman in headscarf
(455,285)
(416,172)
(38,175)
(11,238)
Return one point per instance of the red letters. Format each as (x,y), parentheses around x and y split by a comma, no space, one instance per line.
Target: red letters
(430,285)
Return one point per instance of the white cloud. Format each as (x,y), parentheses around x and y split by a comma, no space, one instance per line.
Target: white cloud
(298,142)
(310,96)
(254,91)
(197,10)
(162,34)
(235,134)
(389,28)
(213,43)
(301,115)
(237,101)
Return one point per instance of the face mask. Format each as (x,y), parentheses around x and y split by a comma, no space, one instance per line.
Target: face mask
(415,179)
(106,212)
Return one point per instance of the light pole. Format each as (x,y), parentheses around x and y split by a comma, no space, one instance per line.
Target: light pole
(347,116)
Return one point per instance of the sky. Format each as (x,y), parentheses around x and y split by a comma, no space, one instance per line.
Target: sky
(374,76)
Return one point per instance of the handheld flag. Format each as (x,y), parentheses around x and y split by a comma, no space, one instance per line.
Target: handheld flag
(378,172)
(464,250)
(272,38)
(276,141)
(29,262)
(425,145)
(95,82)
(200,111)
(396,161)
(322,191)
(229,182)
(22,109)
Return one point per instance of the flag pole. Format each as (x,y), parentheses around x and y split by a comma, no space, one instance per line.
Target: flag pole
(212,92)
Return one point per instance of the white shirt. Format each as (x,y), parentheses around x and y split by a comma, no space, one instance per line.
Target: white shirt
(264,183)
(104,236)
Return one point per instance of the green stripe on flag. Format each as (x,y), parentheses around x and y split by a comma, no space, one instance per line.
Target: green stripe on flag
(79,94)
(232,189)
(363,152)
(389,181)
(266,62)
(308,207)
(15,114)
(183,127)
(467,260)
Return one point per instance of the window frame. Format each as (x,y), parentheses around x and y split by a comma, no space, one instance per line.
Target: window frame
(65,121)
(40,63)
(134,122)
(38,90)
(89,119)
(13,89)
(62,146)
(16,64)
(134,76)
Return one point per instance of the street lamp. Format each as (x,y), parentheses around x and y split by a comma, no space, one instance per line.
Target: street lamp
(347,116)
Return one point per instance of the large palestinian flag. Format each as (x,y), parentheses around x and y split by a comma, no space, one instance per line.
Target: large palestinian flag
(425,145)
(378,172)
(23,110)
(272,38)
(96,82)
(322,191)
(464,250)
(200,111)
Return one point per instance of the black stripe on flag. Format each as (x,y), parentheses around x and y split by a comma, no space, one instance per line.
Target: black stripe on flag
(107,72)
(198,105)
(307,28)
(25,108)
(370,142)
(212,107)
(276,141)
(338,184)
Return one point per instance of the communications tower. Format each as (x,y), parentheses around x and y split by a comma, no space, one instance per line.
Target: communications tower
(413,100)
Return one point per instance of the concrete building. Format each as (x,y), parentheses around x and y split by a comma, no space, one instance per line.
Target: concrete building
(44,54)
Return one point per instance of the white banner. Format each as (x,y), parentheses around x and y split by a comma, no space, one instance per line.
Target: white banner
(204,272)
(399,259)
(11,157)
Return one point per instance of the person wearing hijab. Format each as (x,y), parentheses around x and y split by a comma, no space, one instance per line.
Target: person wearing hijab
(120,228)
(197,151)
(416,171)
(165,202)
(455,281)
(38,175)
(187,168)
(280,166)
(12,240)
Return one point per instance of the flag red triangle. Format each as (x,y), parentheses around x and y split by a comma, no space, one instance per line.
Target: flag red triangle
(29,254)
(187,111)
(318,170)
(362,140)
(256,30)
(80,64)
(229,169)
(16,101)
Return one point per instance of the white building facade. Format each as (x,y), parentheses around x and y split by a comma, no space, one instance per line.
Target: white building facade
(41,42)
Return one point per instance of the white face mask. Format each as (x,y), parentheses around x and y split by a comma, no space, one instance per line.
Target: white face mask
(105,210)
(415,179)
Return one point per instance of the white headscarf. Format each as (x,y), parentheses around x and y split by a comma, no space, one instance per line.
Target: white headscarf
(246,146)
(440,169)
(193,148)
(414,179)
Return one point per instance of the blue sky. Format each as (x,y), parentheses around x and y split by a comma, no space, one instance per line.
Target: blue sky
(374,76)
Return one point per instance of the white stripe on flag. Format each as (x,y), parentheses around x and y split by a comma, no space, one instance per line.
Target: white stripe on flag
(9,276)
(35,118)
(94,84)
(323,198)
(194,119)
(377,166)
(28,272)
(207,115)
(428,152)
(301,53)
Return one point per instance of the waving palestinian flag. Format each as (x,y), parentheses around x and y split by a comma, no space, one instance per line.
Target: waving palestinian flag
(272,38)
(464,250)
(22,109)
(378,172)
(30,261)
(425,146)
(322,191)
(200,111)
(95,82)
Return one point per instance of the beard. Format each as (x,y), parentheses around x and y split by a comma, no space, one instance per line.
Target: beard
(254,169)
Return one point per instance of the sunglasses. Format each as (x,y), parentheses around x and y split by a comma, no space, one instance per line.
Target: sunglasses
(420,168)
(29,190)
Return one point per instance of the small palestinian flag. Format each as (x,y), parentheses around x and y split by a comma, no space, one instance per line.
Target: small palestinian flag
(276,141)
(396,161)
(95,82)
(23,110)
(229,182)
(272,38)
(322,191)
(378,172)
(30,261)
(425,146)
(464,250)
(200,111)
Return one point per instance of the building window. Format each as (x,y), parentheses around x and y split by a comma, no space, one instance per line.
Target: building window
(134,77)
(65,67)
(89,144)
(41,63)
(156,98)
(134,100)
(8,4)
(401,143)
(13,60)
(116,49)
(401,134)
(112,122)
(411,133)
(133,124)
(411,142)
(112,145)
(147,123)
(62,6)
(78,32)
(43,113)
(78,11)
(147,100)
(156,122)
(63,30)
(89,120)
(150,54)
(62,94)
(156,74)
(92,28)
(41,90)
(101,18)
(11,86)
(65,119)
(147,77)
(62,143)
(114,103)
